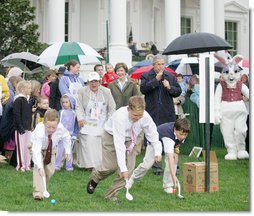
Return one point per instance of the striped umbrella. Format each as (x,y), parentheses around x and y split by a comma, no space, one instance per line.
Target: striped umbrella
(61,52)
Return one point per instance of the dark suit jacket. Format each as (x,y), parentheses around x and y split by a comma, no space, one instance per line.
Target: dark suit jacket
(159,100)
(55,95)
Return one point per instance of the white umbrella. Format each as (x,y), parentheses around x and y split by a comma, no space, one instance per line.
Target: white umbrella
(185,66)
(61,52)
(26,61)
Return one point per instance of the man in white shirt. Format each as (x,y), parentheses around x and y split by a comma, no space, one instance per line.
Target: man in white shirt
(119,145)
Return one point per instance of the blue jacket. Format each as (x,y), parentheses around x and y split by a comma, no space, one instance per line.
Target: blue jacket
(65,80)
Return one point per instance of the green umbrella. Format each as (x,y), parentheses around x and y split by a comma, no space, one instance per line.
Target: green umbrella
(61,52)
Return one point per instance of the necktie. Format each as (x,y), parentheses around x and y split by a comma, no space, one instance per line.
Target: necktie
(133,140)
(47,158)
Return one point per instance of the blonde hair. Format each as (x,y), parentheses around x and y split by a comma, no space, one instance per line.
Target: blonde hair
(40,98)
(14,80)
(22,86)
(35,85)
(137,103)
(51,115)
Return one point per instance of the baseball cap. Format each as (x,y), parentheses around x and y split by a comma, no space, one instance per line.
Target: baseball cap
(93,76)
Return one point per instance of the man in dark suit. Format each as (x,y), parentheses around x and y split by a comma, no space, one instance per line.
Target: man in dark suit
(159,88)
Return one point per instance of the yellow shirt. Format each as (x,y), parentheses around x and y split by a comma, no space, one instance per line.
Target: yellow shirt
(5,90)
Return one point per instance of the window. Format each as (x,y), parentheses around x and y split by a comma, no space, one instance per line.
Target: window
(231,36)
(185,25)
(66,19)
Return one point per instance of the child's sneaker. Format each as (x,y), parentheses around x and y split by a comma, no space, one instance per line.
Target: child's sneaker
(69,169)
(170,190)
(21,169)
(28,169)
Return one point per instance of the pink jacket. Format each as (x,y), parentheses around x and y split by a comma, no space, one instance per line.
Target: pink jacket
(45,89)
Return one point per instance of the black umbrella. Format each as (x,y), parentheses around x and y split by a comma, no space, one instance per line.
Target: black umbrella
(198,43)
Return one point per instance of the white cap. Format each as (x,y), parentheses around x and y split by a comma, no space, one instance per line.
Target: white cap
(93,76)
(15,71)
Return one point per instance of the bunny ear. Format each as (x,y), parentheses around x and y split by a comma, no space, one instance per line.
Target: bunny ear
(220,59)
(237,58)
(222,56)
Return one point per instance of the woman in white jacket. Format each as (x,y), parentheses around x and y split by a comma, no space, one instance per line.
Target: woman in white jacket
(95,104)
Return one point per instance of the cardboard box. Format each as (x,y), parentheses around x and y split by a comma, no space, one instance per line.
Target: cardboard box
(194,175)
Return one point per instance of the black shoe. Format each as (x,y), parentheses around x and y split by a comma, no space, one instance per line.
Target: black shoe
(158,173)
(91,185)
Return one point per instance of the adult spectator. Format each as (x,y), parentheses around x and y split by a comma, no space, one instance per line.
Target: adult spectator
(154,49)
(55,94)
(122,88)
(159,88)
(5,94)
(245,80)
(133,48)
(99,69)
(94,105)
(70,82)
(193,89)
(14,71)
(49,77)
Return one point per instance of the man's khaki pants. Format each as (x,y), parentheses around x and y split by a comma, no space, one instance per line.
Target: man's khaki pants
(109,165)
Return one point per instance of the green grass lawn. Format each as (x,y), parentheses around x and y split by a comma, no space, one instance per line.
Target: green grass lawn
(69,191)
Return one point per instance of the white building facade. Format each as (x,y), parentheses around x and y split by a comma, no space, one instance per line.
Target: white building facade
(160,21)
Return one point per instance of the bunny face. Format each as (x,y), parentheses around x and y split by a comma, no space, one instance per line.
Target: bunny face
(230,69)
(231,74)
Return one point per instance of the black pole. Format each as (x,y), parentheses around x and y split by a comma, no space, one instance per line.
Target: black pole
(107,59)
(207,123)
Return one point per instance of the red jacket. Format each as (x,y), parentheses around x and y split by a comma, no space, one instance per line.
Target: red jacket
(108,78)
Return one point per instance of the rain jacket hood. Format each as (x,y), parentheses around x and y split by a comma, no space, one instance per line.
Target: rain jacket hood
(72,101)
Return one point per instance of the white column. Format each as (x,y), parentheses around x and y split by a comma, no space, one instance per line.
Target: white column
(55,21)
(172,21)
(74,20)
(207,16)
(219,18)
(118,49)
